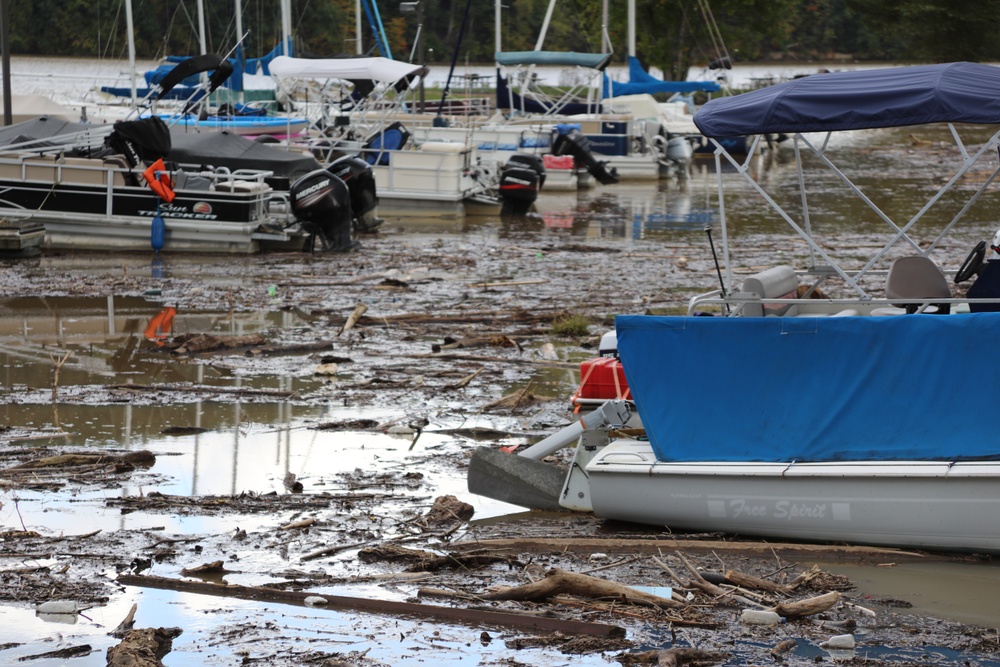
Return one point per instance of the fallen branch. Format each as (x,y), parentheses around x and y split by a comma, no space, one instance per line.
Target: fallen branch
(359,310)
(473,617)
(509,283)
(237,391)
(126,623)
(141,458)
(558,581)
(807,607)
(756,583)
(143,648)
(464,381)
(589,545)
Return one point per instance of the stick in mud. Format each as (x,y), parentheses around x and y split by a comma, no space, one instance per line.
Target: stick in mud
(466,616)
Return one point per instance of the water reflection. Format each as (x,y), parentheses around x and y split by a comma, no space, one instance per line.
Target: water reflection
(111,339)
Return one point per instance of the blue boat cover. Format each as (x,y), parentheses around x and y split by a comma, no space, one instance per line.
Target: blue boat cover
(596,61)
(889,97)
(640,81)
(907,387)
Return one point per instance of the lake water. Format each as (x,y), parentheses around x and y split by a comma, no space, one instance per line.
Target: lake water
(78,78)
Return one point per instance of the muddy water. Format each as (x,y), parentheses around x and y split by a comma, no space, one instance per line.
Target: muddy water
(224,444)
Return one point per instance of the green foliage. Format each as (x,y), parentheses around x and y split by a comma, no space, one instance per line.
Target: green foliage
(571,325)
(672,35)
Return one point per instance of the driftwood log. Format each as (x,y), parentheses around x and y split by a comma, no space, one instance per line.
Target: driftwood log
(673,657)
(142,648)
(807,607)
(143,458)
(557,581)
(473,617)
(755,583)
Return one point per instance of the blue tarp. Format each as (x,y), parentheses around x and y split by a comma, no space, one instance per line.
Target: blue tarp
(641,81)
(891,97)
(906,387)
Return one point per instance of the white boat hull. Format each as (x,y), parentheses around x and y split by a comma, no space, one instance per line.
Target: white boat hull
(912,504)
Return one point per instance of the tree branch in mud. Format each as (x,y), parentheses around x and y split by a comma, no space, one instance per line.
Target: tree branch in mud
(143,648)
(237,391)
(807,607)
(359,310)
(58,364)
(474,617)
(558,582)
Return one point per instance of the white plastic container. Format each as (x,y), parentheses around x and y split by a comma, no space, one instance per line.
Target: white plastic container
(839,642)
(759,617)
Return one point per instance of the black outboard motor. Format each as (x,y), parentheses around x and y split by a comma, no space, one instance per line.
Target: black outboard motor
(521,177)
(360,180)
(322,200)
(570,141)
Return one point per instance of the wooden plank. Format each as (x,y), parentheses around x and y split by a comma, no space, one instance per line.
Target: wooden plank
(465,616)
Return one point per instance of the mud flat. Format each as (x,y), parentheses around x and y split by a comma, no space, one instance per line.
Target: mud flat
(275,475)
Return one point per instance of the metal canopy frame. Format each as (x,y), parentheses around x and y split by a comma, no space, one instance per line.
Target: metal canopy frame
(900,232)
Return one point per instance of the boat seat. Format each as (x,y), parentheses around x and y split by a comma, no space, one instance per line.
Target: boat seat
(125,177)
(240,186)
(86,171)
(10,167)
(773,283)
(915,277)
(40,168)
(444,147)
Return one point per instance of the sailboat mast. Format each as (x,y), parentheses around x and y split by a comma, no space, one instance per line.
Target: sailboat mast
(631,28)
(240,48)
(239,19)
(201,27)
(357,25)
(131,47)
(496,25)
(545,25)
(286,25)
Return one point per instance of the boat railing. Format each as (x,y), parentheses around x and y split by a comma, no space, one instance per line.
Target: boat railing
(741,304)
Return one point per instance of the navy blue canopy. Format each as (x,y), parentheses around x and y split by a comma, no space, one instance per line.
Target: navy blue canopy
(891,97)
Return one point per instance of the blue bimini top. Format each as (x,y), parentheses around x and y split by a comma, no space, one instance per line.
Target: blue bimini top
(890,97)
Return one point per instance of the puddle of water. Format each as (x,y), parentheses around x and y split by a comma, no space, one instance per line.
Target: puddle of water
(251,448)
(221,631)
(964,592)
(113,340)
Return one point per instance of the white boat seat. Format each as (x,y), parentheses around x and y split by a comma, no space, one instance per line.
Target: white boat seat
(773,283)
(240,186)
(915,277)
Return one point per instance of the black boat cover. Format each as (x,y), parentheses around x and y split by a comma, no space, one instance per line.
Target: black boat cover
(146,139)
(42,127)
(225,149)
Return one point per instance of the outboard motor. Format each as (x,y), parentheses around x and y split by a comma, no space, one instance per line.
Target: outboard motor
(570,141)
(521,177)
(360,180)
(322,200)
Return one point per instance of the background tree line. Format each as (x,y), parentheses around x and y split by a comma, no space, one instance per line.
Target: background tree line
(671,34)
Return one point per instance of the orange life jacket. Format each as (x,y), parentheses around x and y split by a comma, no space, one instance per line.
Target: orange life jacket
(160,183)
(159,327)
